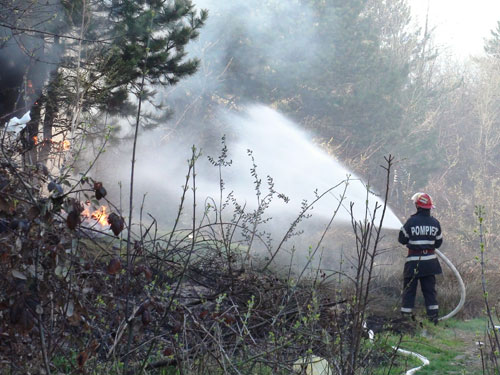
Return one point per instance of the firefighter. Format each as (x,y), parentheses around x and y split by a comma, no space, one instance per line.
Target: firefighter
(422,235)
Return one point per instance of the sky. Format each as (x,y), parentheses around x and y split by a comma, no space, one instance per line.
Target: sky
(461,25)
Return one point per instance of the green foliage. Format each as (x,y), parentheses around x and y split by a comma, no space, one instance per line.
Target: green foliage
(146,39)
(450,347)
(98,53)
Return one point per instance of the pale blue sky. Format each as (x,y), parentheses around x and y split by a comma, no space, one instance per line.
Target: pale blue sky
(461,25)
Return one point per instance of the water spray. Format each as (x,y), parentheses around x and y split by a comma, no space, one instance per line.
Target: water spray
(281,149)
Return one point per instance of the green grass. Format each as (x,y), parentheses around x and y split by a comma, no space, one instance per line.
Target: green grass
(450,347)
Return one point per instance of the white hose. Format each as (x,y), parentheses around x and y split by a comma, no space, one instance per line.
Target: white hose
(423,359)
(320,366)
(460,282)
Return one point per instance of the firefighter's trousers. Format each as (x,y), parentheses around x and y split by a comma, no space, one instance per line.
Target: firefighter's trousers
(428,286)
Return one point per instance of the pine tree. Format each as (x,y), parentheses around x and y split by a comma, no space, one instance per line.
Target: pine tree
(146,37)
(103,50)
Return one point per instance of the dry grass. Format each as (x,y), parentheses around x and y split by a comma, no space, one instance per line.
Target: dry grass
(387,287)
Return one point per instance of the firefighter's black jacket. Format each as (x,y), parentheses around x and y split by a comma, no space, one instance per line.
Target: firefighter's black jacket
(421,234)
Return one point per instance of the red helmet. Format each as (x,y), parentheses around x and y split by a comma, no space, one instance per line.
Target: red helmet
(423,200)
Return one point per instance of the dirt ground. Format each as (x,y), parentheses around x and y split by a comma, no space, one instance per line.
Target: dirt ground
(471,355)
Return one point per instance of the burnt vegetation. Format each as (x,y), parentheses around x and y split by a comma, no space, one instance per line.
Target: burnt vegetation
(86,287)
(191,299)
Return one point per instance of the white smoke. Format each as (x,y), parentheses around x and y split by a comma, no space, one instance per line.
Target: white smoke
(283,31)
(300,170)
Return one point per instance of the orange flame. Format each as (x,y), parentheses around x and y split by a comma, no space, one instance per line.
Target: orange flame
(64,145)
(100,215)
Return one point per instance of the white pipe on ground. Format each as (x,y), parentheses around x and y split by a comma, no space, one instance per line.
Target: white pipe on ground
(319,365)
(423,359)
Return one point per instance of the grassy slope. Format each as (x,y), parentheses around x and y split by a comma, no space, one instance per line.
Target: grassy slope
(450,347)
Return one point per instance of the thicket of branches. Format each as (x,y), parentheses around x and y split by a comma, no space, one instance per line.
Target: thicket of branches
(374,78)
(74,298)
(77,298)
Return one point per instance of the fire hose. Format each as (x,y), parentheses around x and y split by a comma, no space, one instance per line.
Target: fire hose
(319,365)
(460,282)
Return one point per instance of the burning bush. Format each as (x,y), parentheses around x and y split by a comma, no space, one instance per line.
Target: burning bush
(193,295)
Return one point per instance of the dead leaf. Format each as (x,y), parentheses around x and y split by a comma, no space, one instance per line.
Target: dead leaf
(82,358)
(114,266)
(148,274)
(16,310)
(73,220)
(20,316)
(100,191)
(75,319)
(138,249)
(6,206)
(4,256)
(117,223)
(26,322)
(33,213)
(93,346)
(146,316)
(229,318)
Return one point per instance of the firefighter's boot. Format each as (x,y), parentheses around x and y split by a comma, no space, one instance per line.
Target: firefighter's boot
(433,318)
